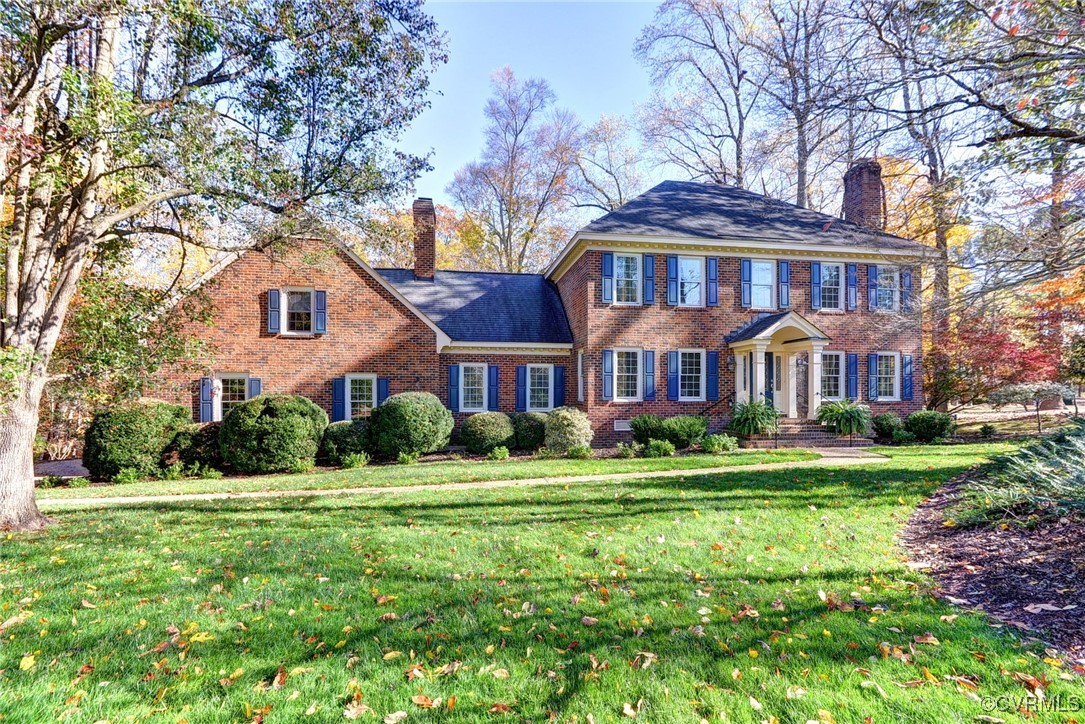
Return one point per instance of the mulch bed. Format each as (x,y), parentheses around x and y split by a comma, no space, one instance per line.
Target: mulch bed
(1030,578)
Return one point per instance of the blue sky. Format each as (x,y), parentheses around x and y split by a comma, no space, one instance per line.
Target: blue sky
(583,49)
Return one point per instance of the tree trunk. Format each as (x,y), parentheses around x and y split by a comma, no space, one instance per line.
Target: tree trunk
(18,511)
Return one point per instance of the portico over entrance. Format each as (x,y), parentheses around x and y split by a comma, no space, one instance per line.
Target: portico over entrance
(767,366)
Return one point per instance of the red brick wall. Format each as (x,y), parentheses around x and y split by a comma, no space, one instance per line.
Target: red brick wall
(659,327)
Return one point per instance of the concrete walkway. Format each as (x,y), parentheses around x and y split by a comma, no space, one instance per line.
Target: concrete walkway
(830,458)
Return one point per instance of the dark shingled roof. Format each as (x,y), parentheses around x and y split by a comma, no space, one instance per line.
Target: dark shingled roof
(758,325)
(713,211)
(487,306)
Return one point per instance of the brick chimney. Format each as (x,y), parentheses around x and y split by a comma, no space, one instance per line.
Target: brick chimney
(864,194)
(425,238)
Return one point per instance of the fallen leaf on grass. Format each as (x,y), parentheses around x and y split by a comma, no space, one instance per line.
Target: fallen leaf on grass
(395,717)
(1042,607)
(392,655)
(928,638)
(88,604)
(386,617)
(628,710)
(874,685)
(27,662)
(450,668)
(643,660)
(500,673)
(355,710)
(755,704)
(424,702)
(588,621)
(280,679)
(499,708)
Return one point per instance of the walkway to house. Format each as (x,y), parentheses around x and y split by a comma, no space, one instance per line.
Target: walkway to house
(830,457)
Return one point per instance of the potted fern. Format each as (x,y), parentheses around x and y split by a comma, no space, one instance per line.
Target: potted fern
(845,417)
(754,418)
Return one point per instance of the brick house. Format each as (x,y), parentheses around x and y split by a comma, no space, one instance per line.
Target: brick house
(686,300)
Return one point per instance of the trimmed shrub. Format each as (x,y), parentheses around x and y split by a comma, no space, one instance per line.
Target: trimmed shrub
(646,428)
(903,437)
(530,429)
(272,434)
(132,435)
(485,431)
(886,424)
(344,438)
(659,449)
(78,482)
(754,418)
(498,453)
(685,430)
(354,460)
(628,451)
(987,430)
(719,443)
(579,452)
(566,428)
(50,481)
(414,423)
(927,425)
(405,458)
(195,446)
(845,417)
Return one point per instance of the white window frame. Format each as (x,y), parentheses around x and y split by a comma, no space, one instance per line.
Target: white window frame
(772,283)
(485,386)
(350,399)
(550,395)
(842,288)
(703,375)
(842,375)
(640,374)
(700,260)
(284,312)
(896,376)
(216,391)
(895,271)
(580,376)
(639,280)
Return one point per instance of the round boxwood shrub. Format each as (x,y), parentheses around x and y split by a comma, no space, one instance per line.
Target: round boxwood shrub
(886,424)
(530,429)
(347,437)
(929,425)
(195,446)
(272,434)
(646,428)
(411,423)
(567,427)
(485,431)
(684,431)
(132,435)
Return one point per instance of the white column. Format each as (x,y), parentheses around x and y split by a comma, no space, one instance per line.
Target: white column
(758,391)
(741,377)
(813,387)
(791,382)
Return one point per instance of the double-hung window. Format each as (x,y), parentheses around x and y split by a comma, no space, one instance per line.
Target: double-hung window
(362,395)
(233,389)
(832,375)
(762,284)
(888,288)
(888,374)
(299,311)
(691,370)
(472,387)
(627,279)
(832,286)
(540,393)
(690,281)
(627,377)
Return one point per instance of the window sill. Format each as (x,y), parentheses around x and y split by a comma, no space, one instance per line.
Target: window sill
(691,399)
(539,409)
(830,310)
(626,400)
(298,334)
(887,399)
(626,304)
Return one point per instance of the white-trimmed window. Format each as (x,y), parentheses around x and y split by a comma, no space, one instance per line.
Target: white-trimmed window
(472,387)
(580,376)
(888,374)
(888,289)
(691,372)
(297,311)
(762,284)
(361,395)
(690,281)
(627,278)
(832,376)
(230,391)
(540,387)
(627,376)
(832,285)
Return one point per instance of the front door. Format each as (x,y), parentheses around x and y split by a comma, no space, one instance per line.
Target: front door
(770,378)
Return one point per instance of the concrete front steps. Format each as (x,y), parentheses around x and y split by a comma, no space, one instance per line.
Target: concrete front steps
(803,433)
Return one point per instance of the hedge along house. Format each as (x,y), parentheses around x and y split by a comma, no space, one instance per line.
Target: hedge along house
(689,299)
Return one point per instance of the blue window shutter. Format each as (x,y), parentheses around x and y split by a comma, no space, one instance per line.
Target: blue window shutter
(872,286)
(648,265)
(272,311)
(454,388)
(559,385)
(608,277)
(521,388)
(256,386)
(872,376)
(649,375)
(608,374)
(905,289)
(672,280)
(382,390)
(320,312)
(815,285)
(339,400)
(712,267)
(906,377)
(207,407)
(672,375)
(712,361)
(853,287)
(493,387)
(853,377)
(747,283)
(785,283)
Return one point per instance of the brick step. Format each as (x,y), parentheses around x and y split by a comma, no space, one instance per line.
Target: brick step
(768,443)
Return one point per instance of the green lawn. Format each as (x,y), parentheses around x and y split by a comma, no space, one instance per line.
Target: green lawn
(750,596)
(456,471)
(1024,425)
